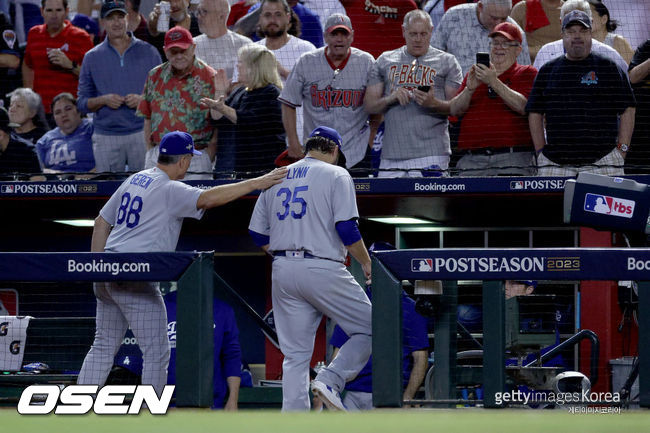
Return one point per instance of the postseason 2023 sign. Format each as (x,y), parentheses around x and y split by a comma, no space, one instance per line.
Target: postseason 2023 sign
(538,264)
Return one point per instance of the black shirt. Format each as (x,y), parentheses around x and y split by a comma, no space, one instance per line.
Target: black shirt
(18,158)
(581,100)
(250,146)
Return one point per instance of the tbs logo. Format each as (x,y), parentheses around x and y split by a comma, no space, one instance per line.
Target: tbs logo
(421,265)
(606,205)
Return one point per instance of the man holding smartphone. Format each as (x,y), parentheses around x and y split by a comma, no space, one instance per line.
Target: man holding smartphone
(416,139)
(494,136)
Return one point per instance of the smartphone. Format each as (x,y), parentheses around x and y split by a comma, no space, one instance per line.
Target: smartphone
(424,88)
(483,59)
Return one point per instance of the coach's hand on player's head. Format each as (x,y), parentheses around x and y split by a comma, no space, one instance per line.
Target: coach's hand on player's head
(271,178)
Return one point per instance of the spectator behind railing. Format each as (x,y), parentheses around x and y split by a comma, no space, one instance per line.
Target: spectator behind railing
(540,19)
(249,120)
(275,24)
(494,135)
(378,24)
(171,102)
(136,23)
(217,46)
(110,85)
(179,15)
(336,69)
(586,103)
(604,27)
(16,158)
(54,54)
(9,59)
(304,23)
(638,159)
(27,116)
(411,86)
(68,147)
(464,30)
(556,48)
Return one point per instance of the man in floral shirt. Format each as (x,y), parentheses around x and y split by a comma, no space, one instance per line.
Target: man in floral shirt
(171,102)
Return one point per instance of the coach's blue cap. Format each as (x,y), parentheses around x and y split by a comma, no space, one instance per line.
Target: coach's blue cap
(177,143)
(329,133)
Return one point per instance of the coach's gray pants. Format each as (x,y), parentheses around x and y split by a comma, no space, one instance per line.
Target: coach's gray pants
(120,305)
(304,290)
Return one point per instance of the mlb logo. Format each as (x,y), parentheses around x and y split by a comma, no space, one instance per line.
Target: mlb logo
(7,189)
(421,265)
(517,184)
(606,205)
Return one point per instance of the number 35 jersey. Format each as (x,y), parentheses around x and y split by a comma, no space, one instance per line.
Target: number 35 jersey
(301,212)
(147,212)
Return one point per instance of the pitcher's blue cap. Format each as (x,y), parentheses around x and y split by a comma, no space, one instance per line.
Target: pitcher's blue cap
(528,283)
(177,143)
(329,133)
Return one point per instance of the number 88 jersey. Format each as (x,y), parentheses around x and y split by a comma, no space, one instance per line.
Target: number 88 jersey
(301,212)
(147,212)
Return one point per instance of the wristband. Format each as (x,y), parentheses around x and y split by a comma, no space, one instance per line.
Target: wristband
(623,147)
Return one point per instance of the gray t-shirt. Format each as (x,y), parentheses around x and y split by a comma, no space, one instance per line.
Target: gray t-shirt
(332,97)
(221,52)
(147,212)
(413,131)
(460,33)
(301,212)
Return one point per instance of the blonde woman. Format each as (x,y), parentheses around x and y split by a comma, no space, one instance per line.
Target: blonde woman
(249,120)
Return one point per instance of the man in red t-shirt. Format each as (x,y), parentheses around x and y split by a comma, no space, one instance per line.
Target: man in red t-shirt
(54,53)
(494,135)
(378,23)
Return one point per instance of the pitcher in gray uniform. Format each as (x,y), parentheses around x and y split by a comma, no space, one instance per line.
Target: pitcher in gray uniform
(329,84)
(411,86)
(145,214)
(307,223)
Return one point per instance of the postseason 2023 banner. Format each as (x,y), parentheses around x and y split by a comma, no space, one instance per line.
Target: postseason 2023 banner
(94,266)
(537,264)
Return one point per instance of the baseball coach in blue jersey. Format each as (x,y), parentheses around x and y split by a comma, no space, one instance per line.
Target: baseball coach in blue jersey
(309,223)
(145,214)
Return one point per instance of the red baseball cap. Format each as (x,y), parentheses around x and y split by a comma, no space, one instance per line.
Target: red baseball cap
(178,37)
(509,31)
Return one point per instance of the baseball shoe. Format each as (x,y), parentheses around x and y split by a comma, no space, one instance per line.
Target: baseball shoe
(331,398)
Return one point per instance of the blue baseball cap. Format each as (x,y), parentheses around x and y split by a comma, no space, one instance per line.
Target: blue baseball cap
(528,283)
(177,143)
(332,135)
(329,133)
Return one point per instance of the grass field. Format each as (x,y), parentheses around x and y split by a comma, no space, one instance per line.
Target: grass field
(378,421)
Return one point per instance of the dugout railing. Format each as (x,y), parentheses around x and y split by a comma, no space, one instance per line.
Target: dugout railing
(492,266)
(194,273)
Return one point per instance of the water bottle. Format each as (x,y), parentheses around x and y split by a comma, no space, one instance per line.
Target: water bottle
(163,17)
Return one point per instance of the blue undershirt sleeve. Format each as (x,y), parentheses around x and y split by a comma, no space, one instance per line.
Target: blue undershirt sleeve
(259,239)
(348,231)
